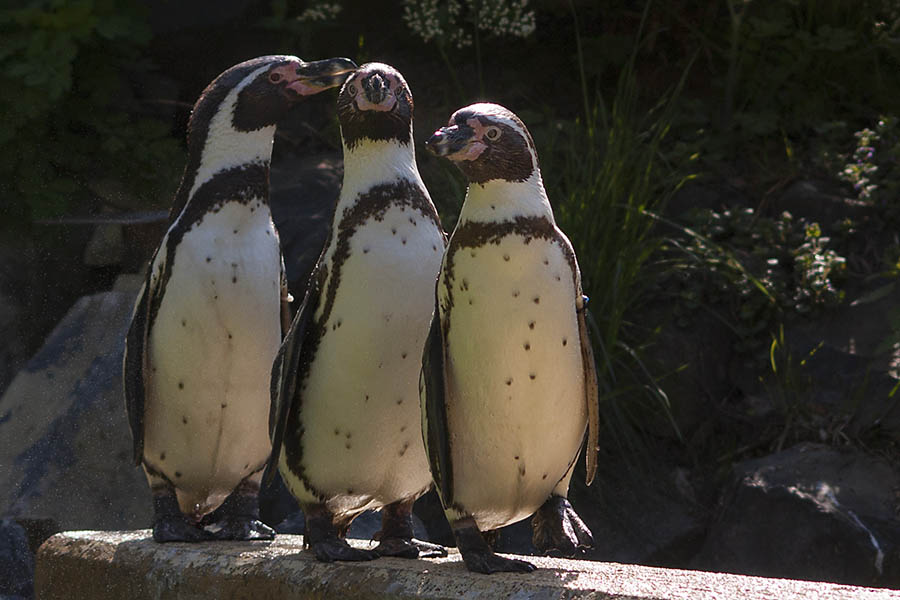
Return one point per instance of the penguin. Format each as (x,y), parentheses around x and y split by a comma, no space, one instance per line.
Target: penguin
(208,320)
(509,387)
(346,423)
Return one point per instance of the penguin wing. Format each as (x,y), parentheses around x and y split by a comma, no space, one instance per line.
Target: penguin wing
(432,393)
(134,366)
(591,394)
(285,369)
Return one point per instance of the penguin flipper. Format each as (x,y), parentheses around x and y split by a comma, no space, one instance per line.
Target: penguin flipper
(432,392)
(285,370)
(134,369)
(591,395)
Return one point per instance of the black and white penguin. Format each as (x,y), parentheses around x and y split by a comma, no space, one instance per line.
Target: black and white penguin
(345,412)
(208,321)
(509,387)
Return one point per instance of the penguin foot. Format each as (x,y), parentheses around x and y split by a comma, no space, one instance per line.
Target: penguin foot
(557,529)
(478,556)
(488,562)
(338,549)
(409,548)
(241,529)
(177,528)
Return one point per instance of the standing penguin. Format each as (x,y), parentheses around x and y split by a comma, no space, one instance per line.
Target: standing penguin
(509,385)
(208,320)
(345,419)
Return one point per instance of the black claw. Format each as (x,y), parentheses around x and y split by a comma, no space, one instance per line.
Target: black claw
(558,530)
(338,549)
(241,529)
(177,528)
(409,548)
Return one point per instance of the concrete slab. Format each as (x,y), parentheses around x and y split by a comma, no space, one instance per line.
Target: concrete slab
(113,565)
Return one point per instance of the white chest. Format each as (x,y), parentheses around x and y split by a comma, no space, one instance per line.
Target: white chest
(516,409)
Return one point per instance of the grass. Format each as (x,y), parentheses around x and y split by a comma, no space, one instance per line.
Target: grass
(607,180)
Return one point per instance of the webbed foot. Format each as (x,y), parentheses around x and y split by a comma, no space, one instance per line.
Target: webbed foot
(241,529)
(409,548)
(333,549)
(178,528)
(479,557)
(557,529)
(396,534)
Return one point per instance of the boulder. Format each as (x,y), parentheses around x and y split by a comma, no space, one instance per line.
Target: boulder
(16,561)
(68,450)
(810,512)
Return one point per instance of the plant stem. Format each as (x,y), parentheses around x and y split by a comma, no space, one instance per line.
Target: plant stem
(584,92)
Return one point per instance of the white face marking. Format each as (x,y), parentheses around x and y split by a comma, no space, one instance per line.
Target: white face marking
(227,147)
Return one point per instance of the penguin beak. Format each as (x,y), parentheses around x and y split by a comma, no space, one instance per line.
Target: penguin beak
(455,143)
(320,75)
(377,94)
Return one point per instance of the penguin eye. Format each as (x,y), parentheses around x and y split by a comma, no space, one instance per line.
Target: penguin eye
(352,89)
(274,77)
(492,133)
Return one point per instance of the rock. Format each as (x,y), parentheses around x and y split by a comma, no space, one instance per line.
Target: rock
(811,512)
(16,561)
(67,447)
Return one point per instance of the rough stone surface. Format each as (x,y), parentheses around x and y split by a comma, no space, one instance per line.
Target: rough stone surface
(115,565)
(812,512)
(71,460)
(16,561)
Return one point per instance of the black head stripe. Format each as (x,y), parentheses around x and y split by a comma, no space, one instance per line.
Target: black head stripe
(508,158)
(259,104)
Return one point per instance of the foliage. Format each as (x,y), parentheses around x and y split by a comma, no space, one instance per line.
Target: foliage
(69,116)
(874,167)
(752,271)
(605,181)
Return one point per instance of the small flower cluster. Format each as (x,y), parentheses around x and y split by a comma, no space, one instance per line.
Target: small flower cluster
(444,21)
(325,11)
(874,167)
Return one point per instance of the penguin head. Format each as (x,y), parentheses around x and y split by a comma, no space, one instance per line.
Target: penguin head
(375,104)
(487,142)
(266,88)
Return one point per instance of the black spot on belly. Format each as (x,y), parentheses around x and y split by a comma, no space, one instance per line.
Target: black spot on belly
(565,341)
(402,428)
(347,445)
(515,293)
(413,221)
(235,231)
(470,302)
(527,346)
(493,207)
(506,257)
(403,355)
(247,466)
(531,325)
(177,473)
(234,279)
(349,490)
(367,397)
(546,262)
(393,231)
(183,323)
(537,299)
(337,431)
(521,470)
(224,405)
(365,250)
(229,335)
(209,259)
(404,448)
(472,254)
(558,278)
(348,435)
(545,476)
(399,401)
(184,420)
(180,385)
(509,381)
(403,240)
(433,247)
(162,456)
(516,457)
(532,376)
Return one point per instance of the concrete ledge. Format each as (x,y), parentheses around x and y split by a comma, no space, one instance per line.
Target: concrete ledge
(114,565)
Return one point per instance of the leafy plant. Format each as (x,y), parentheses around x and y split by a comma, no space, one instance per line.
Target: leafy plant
(70,117)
